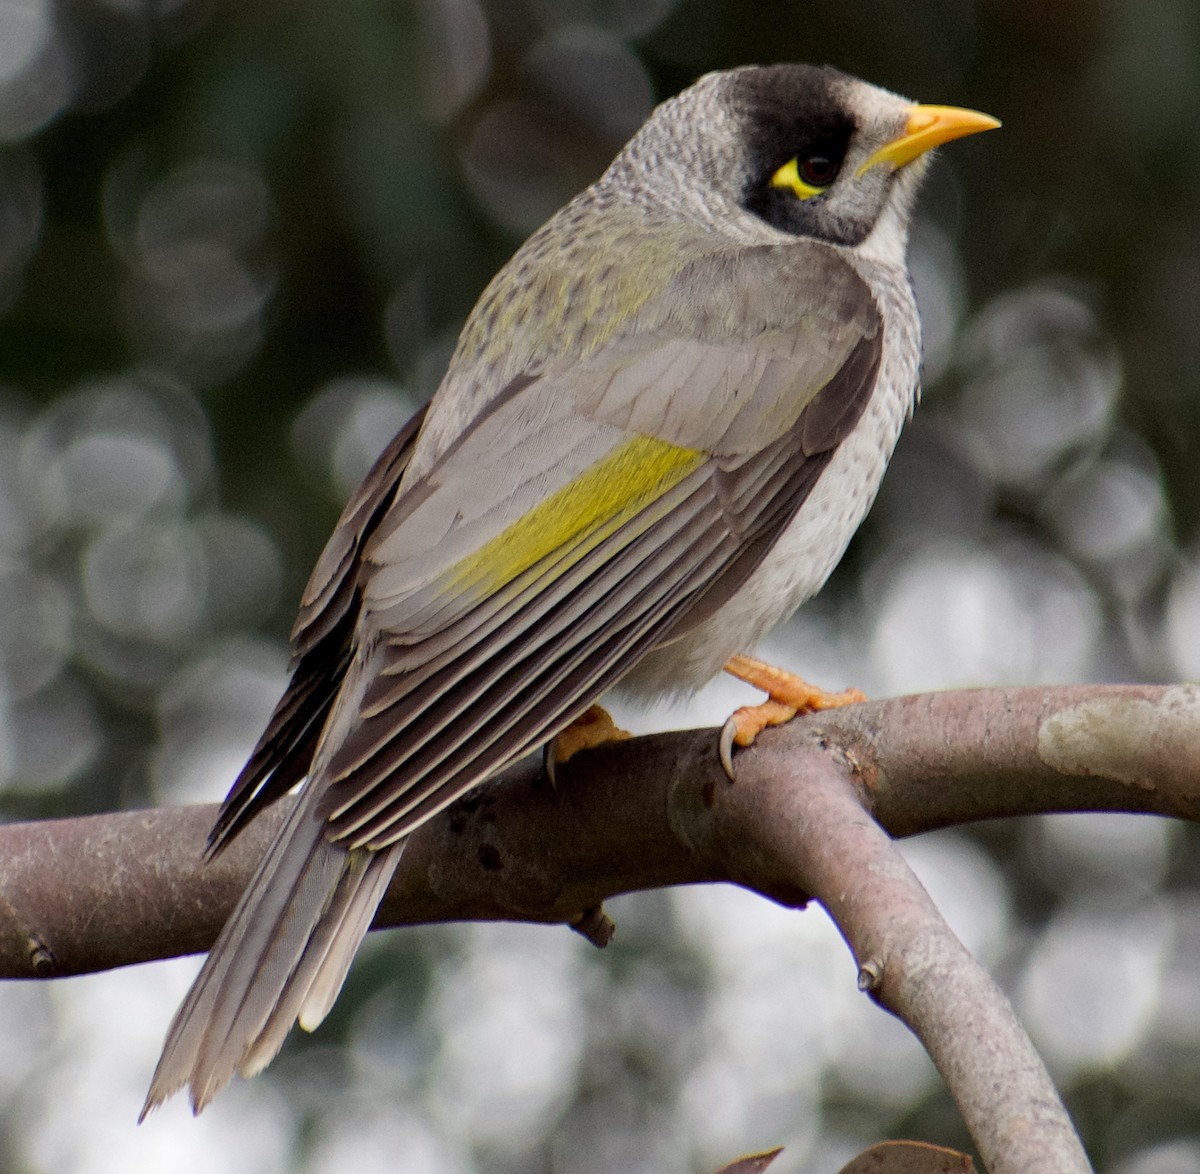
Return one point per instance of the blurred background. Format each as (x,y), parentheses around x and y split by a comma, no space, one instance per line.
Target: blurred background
(236,244)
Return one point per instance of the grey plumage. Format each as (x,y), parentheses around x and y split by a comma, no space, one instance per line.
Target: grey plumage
(664,419)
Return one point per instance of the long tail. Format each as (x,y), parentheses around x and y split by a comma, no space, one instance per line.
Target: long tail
(282,956)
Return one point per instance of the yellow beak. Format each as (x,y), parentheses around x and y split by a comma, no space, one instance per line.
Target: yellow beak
(928,127)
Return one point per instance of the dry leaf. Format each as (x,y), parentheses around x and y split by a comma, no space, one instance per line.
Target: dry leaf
(752,1163)
(909,1157)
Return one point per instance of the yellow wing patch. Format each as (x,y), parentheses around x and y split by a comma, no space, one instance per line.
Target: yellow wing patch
(603,496)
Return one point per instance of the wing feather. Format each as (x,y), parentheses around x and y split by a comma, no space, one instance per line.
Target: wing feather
(322,649)
(383,577)
(475,721)
(426,736)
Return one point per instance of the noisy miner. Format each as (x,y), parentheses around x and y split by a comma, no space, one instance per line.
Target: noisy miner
(662,423)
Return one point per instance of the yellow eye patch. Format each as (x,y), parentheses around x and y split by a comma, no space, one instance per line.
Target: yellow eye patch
(788,176)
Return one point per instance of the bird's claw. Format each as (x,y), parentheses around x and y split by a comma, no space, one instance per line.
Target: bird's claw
(745,724)
(787,696)
(593,727)
(725,746)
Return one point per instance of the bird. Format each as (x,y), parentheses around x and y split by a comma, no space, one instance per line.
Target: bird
(662,423)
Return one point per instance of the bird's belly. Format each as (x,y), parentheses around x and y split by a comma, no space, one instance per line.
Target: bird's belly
(800,561)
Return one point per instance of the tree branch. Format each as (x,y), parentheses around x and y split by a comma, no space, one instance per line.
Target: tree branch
(87,894)
(80,895)
(912,964)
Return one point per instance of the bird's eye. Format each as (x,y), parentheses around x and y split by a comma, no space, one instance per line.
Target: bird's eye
(806,177)
(818,170)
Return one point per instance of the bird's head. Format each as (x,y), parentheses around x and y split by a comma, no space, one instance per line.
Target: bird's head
(801,150)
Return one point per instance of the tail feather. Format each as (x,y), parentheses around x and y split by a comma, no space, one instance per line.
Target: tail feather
(322,967)
(298,923)
(355,921)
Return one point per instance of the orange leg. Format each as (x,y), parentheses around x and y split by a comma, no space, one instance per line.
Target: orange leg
(593,727)
(787,696)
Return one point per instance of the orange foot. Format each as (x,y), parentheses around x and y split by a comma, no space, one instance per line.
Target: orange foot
(787,696)
(593,727)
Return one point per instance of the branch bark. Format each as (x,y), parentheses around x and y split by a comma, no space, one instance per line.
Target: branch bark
(87,894)
(913,965)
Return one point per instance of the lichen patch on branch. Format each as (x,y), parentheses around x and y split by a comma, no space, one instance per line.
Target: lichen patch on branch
(1130,740)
